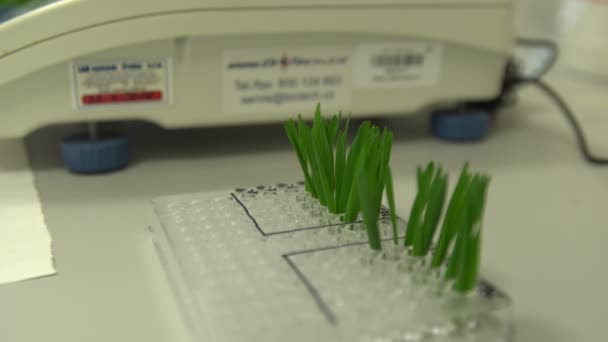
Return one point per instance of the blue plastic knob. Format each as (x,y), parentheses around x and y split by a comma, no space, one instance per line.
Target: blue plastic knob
(461,125)
(83,155)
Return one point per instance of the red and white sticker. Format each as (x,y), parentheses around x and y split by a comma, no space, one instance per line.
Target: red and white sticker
(100,84)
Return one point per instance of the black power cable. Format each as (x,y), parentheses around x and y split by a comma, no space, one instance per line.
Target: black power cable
(554,95)
(565,109)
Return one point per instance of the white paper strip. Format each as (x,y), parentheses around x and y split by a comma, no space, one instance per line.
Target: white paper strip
(25,243)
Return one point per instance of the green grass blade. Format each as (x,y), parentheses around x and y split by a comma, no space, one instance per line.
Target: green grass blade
(295,140)
(450,224)
(322,144)
(376,176)
(375,168)
(457,260)
(427,175)
(368,209)
(305,144)
(372,164)
(414,234)
(469,277)
(352,206)
(390,195)
(433,211)
(387,146)
(326,193)
(385,155)
(414,223)
(315,177)
(468,280)
(324,161)
(347,193)
(466,275)
(346,125)
(333,127)
(339,169)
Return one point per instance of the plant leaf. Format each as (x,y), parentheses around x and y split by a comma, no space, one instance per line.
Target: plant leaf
(339,170)
(368,209)
(348,193)
(390,194)
(433,211)
(450,220)
(296,142)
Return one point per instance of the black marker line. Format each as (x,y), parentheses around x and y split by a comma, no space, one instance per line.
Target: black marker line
(312,228)
(329,315)
(257,226)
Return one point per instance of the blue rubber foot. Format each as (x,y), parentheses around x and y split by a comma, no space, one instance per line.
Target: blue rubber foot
(83,155)
(461,125)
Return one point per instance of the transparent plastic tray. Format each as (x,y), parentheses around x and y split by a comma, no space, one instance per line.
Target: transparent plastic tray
(271,264)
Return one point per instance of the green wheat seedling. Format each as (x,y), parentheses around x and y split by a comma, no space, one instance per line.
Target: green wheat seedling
(372,178)
(351,181)
(460,233)
(348,181)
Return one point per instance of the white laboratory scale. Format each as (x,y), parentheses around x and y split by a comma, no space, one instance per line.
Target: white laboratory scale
(193,63)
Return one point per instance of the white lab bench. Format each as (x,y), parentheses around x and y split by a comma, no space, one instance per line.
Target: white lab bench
(544,240)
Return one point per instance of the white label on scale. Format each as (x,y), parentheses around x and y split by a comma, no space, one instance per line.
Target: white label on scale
(284,80)
(120,83)
(399,64)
